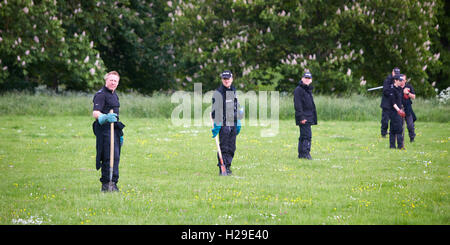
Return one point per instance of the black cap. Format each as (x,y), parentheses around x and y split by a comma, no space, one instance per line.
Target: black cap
(397,77)
(401,77)
(226,74)
(307,74)
(397,71)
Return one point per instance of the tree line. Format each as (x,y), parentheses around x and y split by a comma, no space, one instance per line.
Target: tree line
(348,46)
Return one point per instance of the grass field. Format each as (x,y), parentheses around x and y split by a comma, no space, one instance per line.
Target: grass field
(329,108)
(168,175)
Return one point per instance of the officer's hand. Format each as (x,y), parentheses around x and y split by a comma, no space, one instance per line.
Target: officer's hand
(401,113)
(238,127)
(406,93)
(303,121)
(406,90)
(110,117)
(215,130)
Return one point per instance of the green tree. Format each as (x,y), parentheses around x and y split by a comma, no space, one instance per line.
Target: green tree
(439,75)
(127,35)
(35,49)
(347,45)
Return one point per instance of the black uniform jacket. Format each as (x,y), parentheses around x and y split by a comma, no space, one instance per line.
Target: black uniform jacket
(104,100)
(225,106)
(407,103)
(385,101)
(304,104)
(395,97)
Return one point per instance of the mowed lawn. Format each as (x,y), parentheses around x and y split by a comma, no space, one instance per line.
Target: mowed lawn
(168,175)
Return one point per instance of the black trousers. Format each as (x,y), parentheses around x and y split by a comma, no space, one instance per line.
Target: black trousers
(396,138)
(227,142)
(106,155)
(304,141)
(396,123)
(410,125)
(396,130)
(385,117)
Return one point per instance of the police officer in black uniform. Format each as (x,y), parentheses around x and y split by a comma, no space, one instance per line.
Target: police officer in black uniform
(396,113)
(305,114)
(227,119)
(409,94)
(105,100)
(385,103)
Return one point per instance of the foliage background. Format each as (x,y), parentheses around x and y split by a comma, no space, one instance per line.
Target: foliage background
(349,46)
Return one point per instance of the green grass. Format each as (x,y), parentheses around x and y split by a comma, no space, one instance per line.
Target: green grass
(352,108)
(168,175)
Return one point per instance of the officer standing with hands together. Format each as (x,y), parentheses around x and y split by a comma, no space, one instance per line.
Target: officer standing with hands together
(305,114)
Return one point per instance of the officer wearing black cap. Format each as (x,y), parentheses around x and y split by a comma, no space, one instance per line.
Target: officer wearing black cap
(305,114)
(385,103)
(396,113)
(226,115)
(105,100)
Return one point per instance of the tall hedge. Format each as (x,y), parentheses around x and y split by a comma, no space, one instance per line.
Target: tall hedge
(348,46)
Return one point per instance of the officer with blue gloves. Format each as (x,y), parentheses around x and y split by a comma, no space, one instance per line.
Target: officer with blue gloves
(227,116)
(110,117)
(105,100)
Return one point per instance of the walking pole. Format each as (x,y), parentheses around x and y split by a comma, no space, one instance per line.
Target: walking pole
(111,157)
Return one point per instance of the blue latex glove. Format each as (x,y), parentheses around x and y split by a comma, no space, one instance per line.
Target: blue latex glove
(241,113)
(215,130)
(238,126)
(121,140)
(110,117)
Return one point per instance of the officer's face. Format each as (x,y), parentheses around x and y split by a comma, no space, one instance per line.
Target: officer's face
(227,82)
(306,80)
(402,82)
(112,81)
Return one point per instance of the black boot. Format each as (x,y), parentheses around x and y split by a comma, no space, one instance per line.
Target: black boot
(308,149)
(114,188)
(104,187)
(229,172)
